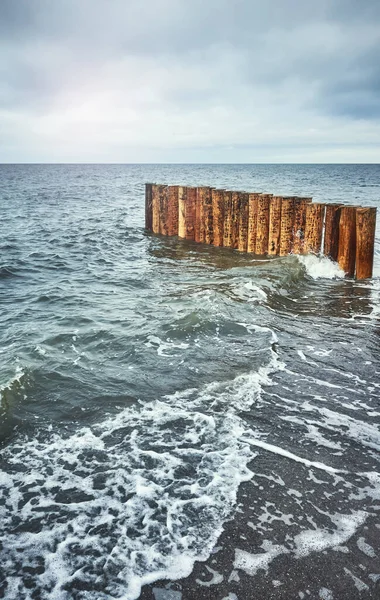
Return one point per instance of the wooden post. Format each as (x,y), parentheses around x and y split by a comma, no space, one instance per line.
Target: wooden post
(252,221)
(163,208)
(155,208)
(274,225)
(199,225)
(243,223)
(331,242)
(182,195)
(365,241)
(287,222)
(299,225)
(217,198)
(190,212)
(208,217)
(173,192)
(227,229)
(148,207)
(235,218)
(347,240)
(262,223)
(315,213)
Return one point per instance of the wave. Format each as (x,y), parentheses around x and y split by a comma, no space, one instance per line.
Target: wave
(12,386)
(320,267)
(6,272)
(134,499)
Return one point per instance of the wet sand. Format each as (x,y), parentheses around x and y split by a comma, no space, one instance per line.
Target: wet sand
(266,517)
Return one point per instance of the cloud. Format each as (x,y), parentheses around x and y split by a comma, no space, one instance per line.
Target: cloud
(171,80)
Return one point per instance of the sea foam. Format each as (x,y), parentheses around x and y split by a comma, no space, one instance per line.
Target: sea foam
(136,498)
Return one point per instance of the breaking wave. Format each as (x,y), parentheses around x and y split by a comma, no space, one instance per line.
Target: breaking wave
(138,497)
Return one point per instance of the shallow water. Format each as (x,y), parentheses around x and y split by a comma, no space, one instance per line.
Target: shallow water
(143,378)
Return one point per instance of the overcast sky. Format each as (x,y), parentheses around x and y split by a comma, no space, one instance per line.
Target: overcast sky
(189,81)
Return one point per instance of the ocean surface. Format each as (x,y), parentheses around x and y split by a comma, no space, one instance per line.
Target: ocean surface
(146,381)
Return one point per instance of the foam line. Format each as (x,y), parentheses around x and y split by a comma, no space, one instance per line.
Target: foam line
(291,456)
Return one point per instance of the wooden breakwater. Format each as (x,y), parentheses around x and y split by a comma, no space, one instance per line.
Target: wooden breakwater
(264,224)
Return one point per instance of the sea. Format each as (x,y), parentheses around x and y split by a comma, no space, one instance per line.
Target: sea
(179,421)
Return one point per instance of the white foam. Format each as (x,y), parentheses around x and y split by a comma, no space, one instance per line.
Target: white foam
(303,544)
(359,584)
(321,267)
(291,456)
(250,292)
(40,350)
(365,548)
(251,563)
(321,539)
(115,503)
(164,346)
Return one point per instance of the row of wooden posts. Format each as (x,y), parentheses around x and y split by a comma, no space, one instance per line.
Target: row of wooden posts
(264,224)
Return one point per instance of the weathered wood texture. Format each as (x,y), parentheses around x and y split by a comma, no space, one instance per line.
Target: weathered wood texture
(287,224)
(347,240)
(274,226)
(173,191)
(253,200)
(315,213)
(182,196)
(208,216)
(190,212)
(235,219)
(148,207)
(163,210)
(243,222)
(217,198)
(199,219)
(331,241)
(262,223)
(299,225)
(365,241)
(155,208)
(227,230)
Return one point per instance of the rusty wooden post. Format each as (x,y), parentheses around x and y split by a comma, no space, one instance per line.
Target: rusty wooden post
(253,200)
(227,229)
(148,207)
(190,212)
(163,208)
(287,223)
(208,216)
(217,199)
(347,240)
(173,192)
(262,223)
(315,213)
(243,222)
(235,196)
(331,241)
(182,195)
(299,225)
(199,226)
(365,241)
(155,208)
(274,225)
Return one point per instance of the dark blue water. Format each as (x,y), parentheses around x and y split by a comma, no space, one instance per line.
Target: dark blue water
(142,378)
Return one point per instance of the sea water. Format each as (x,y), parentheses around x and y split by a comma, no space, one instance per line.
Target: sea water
(143,378)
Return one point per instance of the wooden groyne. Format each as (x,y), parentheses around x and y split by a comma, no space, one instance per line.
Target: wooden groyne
(264,224)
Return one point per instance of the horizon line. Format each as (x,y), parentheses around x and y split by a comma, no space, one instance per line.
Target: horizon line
(190,163)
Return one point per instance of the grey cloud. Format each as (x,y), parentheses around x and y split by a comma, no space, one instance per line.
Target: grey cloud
(244,57)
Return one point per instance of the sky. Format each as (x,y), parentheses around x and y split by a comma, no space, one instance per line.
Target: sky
(202,81)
